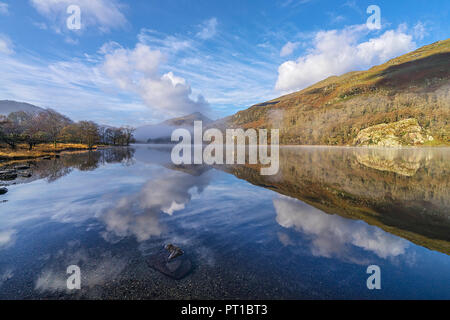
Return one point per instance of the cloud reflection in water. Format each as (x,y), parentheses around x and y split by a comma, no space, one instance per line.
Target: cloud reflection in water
(137,215)
(334,236)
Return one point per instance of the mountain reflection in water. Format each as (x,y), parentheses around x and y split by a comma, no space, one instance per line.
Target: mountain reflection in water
(403,191)
(308,232)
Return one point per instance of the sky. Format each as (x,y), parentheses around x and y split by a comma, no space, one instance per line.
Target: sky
(139,62)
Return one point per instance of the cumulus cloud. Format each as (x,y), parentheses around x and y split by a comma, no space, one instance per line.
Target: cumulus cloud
(332,235)
(336,52)
(4,8)
(6,46)
(137,70)
(208,29)
(105,14)
(288,49)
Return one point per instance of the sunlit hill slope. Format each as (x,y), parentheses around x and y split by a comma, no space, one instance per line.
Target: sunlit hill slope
(413,87)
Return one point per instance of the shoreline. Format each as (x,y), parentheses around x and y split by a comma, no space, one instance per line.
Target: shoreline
(22,154)
(322,146)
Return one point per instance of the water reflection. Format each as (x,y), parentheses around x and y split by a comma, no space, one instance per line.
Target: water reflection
(56,168)
(137,215)
(98,268)
(7,238)
(403,191)
(327,213)
(334,236)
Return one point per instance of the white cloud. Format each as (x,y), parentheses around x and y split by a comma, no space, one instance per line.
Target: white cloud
(208,29)
(137,70)
(76,87)
(79,87)
(4,8)
(292,3)
(336,52)
(288,48)
(420,31)
(106,14)
(6,46)
(166,43)
(227,77)
(41,25)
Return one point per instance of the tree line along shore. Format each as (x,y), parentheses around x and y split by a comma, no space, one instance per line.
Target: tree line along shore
(25,135)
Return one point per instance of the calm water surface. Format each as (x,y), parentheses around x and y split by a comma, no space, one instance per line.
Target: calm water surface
(309,232)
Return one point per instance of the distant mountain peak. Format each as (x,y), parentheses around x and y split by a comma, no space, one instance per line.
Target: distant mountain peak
(187,120)
(9,106)
(163,130)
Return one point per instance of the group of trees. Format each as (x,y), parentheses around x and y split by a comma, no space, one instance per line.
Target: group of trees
(50,126)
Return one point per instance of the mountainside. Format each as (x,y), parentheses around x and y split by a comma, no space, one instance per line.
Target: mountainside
(187,120)
(334,111)
(8,106)
(161,133)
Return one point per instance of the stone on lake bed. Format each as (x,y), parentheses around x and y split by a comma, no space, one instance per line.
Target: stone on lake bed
(26,174)
(8,175)
(22,167)
(3,190)
(174,251)
(175,268)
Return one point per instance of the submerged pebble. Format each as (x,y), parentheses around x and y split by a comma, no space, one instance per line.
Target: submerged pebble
(8,175)
(22,167)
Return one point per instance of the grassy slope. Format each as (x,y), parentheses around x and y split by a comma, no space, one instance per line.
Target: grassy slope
(41,150)
(333,111)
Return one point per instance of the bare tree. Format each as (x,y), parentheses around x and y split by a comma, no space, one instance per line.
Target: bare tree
(12,128)
(128,134)
(89,133)
(52,123)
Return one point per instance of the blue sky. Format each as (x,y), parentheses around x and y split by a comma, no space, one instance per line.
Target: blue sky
(142,61)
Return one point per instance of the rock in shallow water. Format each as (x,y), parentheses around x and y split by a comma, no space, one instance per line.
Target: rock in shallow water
(8,175)
(174,251)
(26,174)
(175,268)
(3,190)
(22,167)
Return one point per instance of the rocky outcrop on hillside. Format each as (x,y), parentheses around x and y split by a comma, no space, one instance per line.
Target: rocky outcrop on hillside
(405,132)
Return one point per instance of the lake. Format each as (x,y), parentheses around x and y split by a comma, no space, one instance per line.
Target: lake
(309,232)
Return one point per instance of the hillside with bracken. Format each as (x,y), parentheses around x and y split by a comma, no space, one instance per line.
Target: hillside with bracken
(410,95)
